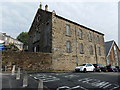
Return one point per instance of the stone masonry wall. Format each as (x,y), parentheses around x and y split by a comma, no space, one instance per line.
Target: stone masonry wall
(68,61)
(27,60)
(40,32)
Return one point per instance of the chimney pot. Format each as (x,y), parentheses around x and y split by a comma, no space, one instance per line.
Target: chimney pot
(53,12)
(46,7)
(40,5)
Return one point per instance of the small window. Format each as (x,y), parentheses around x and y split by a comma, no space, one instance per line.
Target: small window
(90,36)
(80,34)
(68,32)
(81,48)
(68,46)
(99,51)
(91,50)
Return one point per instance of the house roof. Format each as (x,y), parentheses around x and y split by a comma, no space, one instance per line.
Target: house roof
(108,46)
(78,24)
(71,22)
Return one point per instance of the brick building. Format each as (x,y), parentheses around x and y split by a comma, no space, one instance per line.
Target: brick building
(70,43)
(112,53)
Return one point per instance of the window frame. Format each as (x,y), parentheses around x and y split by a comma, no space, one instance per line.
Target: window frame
(91,50)
(90,37)
(98,38)
(68,30)
(81,48)
(80,34)
(68,46)
(99,51)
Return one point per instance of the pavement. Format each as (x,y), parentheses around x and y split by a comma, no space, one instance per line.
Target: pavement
(9,82)
(65,81)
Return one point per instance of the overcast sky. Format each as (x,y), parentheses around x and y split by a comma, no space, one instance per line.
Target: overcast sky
(101,16)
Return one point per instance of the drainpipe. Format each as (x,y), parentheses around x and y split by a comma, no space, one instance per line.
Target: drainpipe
(96,54)
(76,41)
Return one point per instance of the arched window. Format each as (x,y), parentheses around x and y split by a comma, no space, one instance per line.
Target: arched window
(68,47)
(68,31)
(99,51)
(80,34)
(91,50)
(90,36)
(116,55)
(98,39)
(81,48)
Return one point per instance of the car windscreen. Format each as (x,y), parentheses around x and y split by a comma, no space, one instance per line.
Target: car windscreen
(113,66)
(100,65)
(82,65)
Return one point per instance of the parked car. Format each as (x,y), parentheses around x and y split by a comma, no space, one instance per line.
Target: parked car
(111,68)
(85,68)
(118,67)
(100,67)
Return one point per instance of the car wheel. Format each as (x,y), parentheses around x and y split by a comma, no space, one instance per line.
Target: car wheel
(105,70)
(100,70)
(94,70)
(84,70)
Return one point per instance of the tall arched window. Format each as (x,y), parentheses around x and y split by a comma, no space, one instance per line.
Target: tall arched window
(68,31)
(98,39)
(99,51)
(91,50)
(81,48)
(68,47)
(90,36)
(80,34)
(116,55)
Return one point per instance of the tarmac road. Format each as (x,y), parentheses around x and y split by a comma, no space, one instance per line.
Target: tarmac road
(65,81)
(80,81)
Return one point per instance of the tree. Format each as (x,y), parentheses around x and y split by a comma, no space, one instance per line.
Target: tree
(23,37)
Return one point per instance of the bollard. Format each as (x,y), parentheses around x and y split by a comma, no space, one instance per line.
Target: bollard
(13,70)
(5,68)
(40,85)
(18,74)
(25,80)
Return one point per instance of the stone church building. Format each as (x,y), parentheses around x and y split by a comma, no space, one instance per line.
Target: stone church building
(70,43)
(112,53)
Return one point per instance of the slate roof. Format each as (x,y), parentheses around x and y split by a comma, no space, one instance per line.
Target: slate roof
(68,21)
(78,24)
(108,46)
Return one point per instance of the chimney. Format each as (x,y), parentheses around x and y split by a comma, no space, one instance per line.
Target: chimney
(46,7)
(40,5)
(53,12)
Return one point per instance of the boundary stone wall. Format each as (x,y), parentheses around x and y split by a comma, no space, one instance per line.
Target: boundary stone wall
(27,60)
